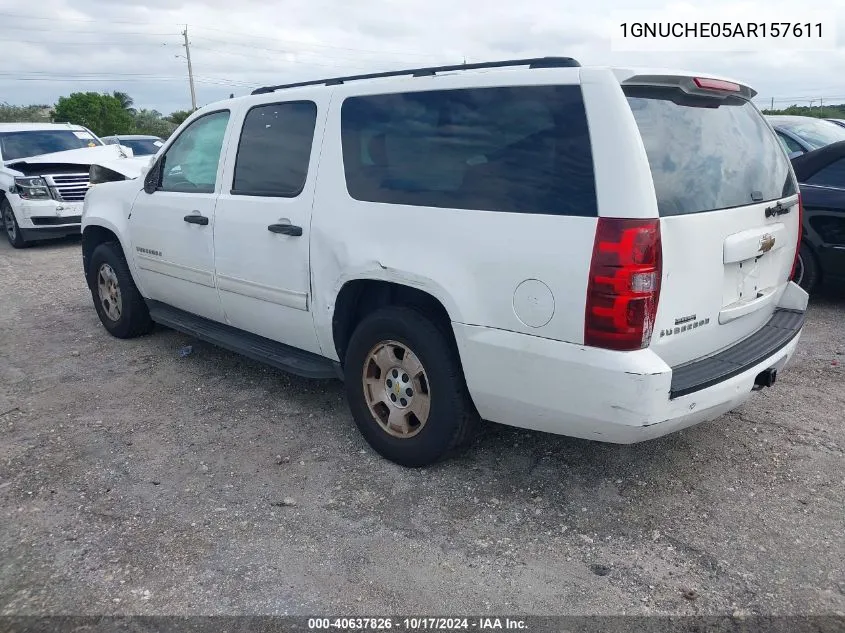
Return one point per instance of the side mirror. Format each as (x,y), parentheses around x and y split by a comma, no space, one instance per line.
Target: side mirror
(153,177)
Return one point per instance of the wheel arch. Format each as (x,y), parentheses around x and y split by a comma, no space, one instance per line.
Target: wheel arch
(95,234)
(817,260)
(359,297)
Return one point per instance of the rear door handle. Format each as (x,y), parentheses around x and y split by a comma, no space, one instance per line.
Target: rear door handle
(196,218)
(285,229)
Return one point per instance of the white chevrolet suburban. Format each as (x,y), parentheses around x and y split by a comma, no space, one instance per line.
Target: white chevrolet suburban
(44,175)
(597,252)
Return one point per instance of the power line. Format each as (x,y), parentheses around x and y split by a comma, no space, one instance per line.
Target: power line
(98,43)
(252,36)
(304,62)
(293,50)
(87,20)
(303,43)
(117,77)
(102,32)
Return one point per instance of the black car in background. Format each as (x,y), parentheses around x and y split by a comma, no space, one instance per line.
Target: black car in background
(821,175)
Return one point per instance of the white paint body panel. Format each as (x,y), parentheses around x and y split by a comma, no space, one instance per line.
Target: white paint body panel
(264,277)
(522,351)
(180,271)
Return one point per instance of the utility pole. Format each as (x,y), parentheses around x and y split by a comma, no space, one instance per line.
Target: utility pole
(187,46)
(773,103)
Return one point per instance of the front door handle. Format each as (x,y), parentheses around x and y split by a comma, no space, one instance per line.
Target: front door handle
(196,218)
(285,229)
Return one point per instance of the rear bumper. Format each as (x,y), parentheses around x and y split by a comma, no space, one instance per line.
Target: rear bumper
(781,329)
(620,397)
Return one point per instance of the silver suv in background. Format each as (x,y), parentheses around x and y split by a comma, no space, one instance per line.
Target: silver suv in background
(802,134)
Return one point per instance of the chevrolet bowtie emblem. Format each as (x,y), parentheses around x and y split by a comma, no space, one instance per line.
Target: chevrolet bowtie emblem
(767,242)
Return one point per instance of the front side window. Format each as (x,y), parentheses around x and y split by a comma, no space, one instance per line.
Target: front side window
(275,149)
(190,164)
(522,149)
(16,145)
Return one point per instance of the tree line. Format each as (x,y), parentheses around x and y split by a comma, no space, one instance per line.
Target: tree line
(102,113)
(820,112)
(108,114)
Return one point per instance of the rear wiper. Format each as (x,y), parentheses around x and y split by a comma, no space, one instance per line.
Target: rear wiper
(777,209)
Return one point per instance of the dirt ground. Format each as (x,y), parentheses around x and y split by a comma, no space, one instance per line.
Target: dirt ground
(136,480)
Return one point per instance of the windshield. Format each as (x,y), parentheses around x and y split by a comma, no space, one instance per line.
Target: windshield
(707,154)
(14,145)
(816,133)
(142,147)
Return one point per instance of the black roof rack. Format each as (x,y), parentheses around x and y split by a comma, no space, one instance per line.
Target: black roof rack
(536,62)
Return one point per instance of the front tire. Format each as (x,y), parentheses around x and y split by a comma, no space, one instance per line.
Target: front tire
(406,388)
(10,225)
(120,306)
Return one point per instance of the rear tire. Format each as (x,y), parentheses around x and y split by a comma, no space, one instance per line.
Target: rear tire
(119,305)
(406,388)
(10,225)
(807,269)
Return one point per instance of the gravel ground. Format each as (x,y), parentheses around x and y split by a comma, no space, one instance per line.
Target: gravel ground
(137,481)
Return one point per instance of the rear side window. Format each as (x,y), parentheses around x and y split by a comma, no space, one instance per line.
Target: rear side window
(831,176)
(791,145)
(707,154)
(508,149)
(275,149)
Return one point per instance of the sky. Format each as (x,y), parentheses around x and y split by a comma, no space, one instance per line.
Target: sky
(54,47)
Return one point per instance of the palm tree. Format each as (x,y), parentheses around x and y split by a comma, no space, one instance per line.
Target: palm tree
(126,102)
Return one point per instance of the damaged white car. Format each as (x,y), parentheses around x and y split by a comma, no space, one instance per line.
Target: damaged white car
(45,174)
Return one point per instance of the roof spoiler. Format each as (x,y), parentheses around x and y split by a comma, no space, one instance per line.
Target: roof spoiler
(695,85)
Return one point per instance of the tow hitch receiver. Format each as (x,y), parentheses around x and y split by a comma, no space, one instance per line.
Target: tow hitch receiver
(765,378)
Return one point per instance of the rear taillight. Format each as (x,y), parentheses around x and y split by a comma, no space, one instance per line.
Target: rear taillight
(800,235)
(624,284)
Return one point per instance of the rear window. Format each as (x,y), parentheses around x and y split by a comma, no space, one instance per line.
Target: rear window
(707,154)
(143,147)
(507,149)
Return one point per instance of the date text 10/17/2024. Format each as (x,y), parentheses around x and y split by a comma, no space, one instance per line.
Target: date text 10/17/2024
(417,624)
